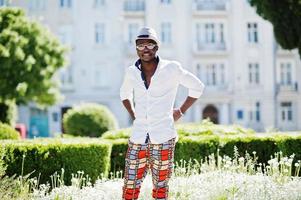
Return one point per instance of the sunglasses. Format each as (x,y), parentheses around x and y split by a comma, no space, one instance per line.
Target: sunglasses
(149,46)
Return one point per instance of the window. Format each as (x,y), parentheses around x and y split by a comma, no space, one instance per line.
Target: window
(254,73)
(165,1)
(37,5)
(221,32)
(65,3)
(166,33)
(222,74)
(65,35)
(285,74)
(215,74)
(257,112)
(286,111)
(99,33)
(99,3)
(208,34)
(66,75)
(132,32)
(101,76)
(134,5)
(252,33)
(240,114)
(211,74)
(198,71)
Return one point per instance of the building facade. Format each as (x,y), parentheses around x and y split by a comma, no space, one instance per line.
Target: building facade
(249,79)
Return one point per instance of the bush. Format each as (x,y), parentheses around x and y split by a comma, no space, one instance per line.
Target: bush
(8,112)
(89,120)
(119,149)
(204,128)
(2,167)
(7,132)
(194,146)
(47,156)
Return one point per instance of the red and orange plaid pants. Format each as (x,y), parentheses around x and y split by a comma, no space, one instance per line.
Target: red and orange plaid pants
(141,157)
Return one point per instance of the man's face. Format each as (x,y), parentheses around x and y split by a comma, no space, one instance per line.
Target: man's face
(146,49)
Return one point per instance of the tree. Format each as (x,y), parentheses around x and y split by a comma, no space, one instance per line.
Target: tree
(29,57)
(285,15)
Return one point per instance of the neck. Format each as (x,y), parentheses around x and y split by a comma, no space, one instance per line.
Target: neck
(149,66)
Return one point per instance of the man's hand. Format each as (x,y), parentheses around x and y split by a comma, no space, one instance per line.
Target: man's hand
(177,114)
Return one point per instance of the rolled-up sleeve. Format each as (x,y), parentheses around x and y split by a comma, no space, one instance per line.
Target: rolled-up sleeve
(190,81)
(126,89)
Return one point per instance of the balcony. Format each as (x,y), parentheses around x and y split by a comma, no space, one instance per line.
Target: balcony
(210,48)
(211,7)
(134,7)
(287,88)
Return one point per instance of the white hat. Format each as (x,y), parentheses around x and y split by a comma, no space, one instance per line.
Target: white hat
(148,33)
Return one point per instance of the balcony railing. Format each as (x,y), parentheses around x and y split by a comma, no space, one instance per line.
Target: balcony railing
(210,46)
(134,5)
(293,87)
(204,5)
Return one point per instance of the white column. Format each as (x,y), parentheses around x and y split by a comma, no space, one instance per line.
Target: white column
(224,113)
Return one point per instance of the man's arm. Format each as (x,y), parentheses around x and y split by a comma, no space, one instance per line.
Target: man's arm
(128,106)
(177,114)
(195,89)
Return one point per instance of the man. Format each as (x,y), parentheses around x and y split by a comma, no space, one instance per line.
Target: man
(152,85)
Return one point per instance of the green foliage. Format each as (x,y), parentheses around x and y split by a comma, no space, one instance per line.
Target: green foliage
(2,166)
(285,16)
(8,112)
(189,129)
(117,134)
(45,157)
(89,120)
(7,132)
(290,145)
(12,187)
(192,148)
(29,57)
(119,149)
(197,141)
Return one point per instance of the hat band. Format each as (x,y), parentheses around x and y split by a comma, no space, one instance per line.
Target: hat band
(143,36)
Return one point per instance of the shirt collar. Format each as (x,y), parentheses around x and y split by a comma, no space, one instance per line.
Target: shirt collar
(138,63)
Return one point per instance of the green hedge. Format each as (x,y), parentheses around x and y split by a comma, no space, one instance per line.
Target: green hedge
(199,147)
(47,156)
(7,132)
(89,119)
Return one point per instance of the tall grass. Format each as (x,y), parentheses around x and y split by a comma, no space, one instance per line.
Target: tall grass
(216,177)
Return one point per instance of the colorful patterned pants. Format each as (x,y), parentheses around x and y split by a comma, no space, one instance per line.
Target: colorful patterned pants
(141,157)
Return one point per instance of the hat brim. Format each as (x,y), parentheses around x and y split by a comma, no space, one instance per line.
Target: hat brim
(148,38)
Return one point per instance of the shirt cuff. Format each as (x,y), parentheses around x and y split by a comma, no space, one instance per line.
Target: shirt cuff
(194,93)
(124,97)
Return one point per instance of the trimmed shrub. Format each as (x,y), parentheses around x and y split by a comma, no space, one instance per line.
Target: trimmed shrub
(208,128)
(2,167)
(289,145)
(8,112)
(89,120)
(7,132)
(193,146)
(204,128)
(119,149)
(45,157)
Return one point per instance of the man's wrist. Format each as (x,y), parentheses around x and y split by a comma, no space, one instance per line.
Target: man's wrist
(181,112)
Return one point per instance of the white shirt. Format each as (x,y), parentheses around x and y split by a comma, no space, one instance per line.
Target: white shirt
(153,107)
